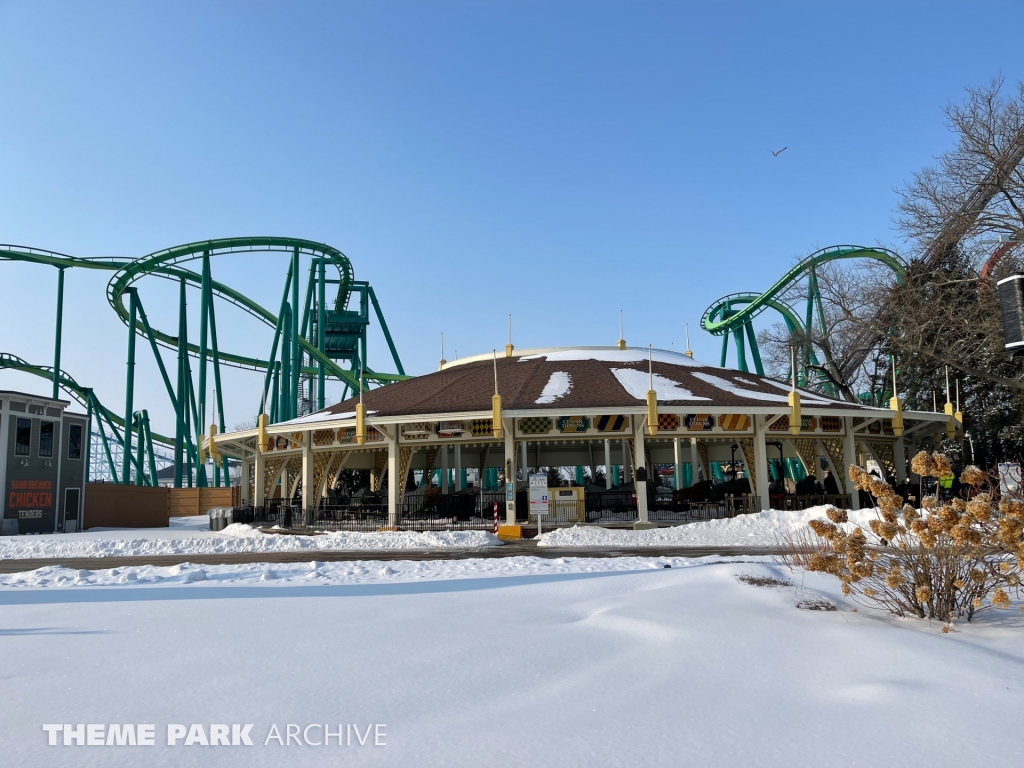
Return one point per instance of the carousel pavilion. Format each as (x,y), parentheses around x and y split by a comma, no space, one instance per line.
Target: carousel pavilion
(583,406)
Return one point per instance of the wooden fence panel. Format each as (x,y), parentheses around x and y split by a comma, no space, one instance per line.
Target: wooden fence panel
(186,502)
(108,505)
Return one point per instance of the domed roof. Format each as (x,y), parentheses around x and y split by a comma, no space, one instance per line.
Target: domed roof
(579,378)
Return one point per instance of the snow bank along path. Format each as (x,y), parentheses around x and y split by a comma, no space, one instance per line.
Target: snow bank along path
(185,536)
(763,529)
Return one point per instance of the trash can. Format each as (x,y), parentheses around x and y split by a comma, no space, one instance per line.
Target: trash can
(220,518)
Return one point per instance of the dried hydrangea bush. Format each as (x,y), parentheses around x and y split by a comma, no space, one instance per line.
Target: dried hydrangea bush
(944,561)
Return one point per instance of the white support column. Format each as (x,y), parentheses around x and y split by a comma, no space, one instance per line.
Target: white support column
(524,462)
(627,463)
(900,460)
(640,486)
(819,473)
(608,464)
(395,482)
(850,457)
(259,492)
(458,467)
(444,470)
(510,470)
(698,469)
(677,449)
(761,462)
(308,491)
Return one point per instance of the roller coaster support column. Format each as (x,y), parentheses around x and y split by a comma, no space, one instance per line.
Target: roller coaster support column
(384,328)
(204,327)
(88,432)
(321,321)
(275,411)
(57,334)
(741,352)
(755,353)
(140,476)
(293,394)
(218,397)
(283,411)
(129,389)
(272,368)
(181,428)
(149,450)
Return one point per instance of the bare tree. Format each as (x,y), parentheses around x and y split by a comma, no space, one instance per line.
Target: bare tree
(977,188)
(943,311)
(836,353)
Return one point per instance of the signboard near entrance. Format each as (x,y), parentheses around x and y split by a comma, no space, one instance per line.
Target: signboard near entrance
(538,498)
(538,494)
(30,502)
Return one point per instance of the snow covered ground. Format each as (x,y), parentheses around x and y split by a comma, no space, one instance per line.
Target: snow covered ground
(192,536)
(509,662)
(762,529)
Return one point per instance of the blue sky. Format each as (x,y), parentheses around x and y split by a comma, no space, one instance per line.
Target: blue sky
(559,161)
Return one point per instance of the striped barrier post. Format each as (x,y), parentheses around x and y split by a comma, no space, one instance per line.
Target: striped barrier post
(495,518)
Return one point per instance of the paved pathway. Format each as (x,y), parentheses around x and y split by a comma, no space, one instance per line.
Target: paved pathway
(513,549)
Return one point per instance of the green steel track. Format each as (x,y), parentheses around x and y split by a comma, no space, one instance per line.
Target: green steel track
(281,377)
(733,315)
(82,395)
(165,264)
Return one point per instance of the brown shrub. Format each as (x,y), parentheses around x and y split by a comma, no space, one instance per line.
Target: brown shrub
(945,562)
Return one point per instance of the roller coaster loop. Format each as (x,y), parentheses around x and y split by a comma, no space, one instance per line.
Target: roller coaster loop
(733,315)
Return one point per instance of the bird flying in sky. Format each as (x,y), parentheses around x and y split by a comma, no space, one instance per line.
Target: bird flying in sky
(776,154)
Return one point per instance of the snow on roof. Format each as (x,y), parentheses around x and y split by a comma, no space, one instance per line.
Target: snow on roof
(637,382)
(734,389)
(610,355)
(811,397)
(558,386)
(322,416)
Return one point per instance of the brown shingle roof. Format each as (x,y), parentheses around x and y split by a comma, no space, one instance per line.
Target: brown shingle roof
(468,386)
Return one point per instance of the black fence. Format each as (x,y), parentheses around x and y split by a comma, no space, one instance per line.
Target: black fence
(792,502)
(459,512)
(694,511)
(455,512)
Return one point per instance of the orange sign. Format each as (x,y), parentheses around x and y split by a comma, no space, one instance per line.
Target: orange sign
(30,494)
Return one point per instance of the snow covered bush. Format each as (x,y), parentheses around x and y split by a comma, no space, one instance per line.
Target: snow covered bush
(945,561)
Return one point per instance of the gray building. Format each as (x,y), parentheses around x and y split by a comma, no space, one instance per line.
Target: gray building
(43,454)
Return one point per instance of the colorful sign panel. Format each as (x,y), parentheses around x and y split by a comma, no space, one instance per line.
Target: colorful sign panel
(668,422)
(535,425)
(611,423)
(734,422)
(807,424)
(481,427)
(699,422)
(573,424)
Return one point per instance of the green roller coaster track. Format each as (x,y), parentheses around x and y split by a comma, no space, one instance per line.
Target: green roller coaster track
(733,315)
(327,333)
